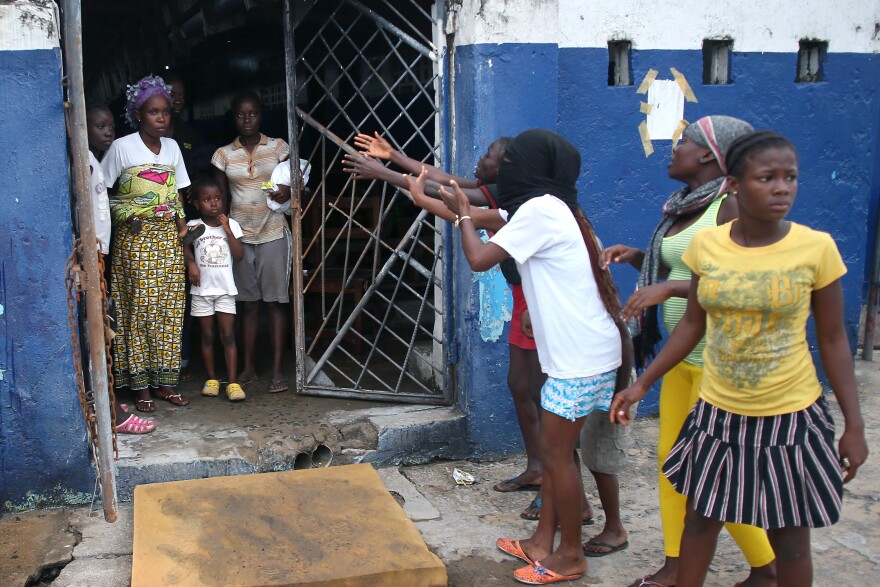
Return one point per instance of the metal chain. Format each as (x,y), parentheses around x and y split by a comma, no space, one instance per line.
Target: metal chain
(73,281)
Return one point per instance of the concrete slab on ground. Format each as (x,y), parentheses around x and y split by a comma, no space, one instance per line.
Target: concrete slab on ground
(32,543)
(333,526)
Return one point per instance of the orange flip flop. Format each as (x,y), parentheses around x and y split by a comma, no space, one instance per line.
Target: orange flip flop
(513,548)
(537,574)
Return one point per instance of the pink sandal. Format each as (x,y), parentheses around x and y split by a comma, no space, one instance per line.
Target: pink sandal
(135,425)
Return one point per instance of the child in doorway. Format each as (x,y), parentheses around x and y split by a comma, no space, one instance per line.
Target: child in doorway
(760,432)
(213,286)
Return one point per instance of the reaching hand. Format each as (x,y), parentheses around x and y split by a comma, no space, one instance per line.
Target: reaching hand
(374,146)
(362,167)
(618,254)
(457,201)
(622,401)
(416,187)
(645,297)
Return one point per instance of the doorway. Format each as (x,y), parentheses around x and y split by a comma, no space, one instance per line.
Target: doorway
(370,303)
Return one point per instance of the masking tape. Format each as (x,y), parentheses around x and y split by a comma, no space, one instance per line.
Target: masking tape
(646,138)
(645,108)
(678,130)
(683,84)
(649,79)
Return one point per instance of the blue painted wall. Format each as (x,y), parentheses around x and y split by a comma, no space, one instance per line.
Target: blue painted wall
(835,124)
(43,448)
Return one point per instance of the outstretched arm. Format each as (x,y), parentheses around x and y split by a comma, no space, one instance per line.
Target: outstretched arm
(487,219)
(690,329)
(481,256)
(376,146)
(837,360)
(363,167)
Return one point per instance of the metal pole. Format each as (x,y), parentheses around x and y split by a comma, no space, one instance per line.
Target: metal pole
(871,310)
(79,148)
(299,334)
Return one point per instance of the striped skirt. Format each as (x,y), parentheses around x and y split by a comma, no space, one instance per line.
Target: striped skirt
(772,471)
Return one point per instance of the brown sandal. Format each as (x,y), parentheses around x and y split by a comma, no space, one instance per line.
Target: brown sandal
(145,405)
(174,398)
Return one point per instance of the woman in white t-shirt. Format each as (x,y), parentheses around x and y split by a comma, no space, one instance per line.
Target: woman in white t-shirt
(148,279)
(571,301)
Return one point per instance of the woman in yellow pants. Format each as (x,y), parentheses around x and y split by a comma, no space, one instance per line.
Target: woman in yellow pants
(698,162)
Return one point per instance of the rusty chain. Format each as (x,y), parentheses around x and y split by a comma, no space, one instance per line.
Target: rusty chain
(73,280)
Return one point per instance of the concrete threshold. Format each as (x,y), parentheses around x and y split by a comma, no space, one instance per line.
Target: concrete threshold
(213,437)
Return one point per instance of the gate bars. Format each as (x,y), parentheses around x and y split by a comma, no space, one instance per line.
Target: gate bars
(369,298)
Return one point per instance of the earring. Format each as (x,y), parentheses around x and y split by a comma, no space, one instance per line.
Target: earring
(735,193)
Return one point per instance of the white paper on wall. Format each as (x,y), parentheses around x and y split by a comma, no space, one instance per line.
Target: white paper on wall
(667,109)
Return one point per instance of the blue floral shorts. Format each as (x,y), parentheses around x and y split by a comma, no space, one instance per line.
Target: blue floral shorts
(575,398)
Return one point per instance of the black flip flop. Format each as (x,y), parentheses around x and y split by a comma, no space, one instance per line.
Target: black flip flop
(611,548)
(517,486)
(192,234)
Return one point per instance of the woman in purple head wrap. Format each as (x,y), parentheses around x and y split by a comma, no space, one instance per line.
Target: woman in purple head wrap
(148,277)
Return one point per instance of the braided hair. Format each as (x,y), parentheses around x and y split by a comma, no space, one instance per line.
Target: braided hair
(607,289)
(743,148)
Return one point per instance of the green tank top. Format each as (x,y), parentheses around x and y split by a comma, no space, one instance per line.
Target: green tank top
(671,250)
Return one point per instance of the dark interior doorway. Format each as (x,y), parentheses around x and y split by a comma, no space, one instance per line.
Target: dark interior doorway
(372,295)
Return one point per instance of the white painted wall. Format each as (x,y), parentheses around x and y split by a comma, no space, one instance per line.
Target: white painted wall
(27,25)
(503,21)
(775,26)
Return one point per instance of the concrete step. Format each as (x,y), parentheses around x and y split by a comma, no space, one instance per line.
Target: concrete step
(213,438)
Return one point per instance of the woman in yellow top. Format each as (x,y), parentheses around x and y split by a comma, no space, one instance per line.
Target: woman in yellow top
(698,162)
(758,448)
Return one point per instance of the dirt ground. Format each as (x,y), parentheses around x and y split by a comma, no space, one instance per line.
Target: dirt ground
(846,554)
(461,523)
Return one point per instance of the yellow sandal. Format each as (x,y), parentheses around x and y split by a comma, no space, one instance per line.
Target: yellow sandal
(234,392)
(211,388)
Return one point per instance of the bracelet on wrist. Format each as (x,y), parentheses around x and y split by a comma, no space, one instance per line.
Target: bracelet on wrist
(458,220)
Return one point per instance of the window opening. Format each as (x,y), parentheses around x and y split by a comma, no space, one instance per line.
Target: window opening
(716,61)
(811,61)
(619,65)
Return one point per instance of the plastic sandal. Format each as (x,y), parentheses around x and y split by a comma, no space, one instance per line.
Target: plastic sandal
(537,574)
(211,388)
(145,405)
(234,392)
(192,234)
(135,425)
(513,548)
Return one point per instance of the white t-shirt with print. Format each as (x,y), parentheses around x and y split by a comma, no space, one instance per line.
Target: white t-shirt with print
(574,334)
(215,260)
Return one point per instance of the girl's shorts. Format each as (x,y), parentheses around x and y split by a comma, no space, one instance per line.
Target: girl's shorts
(517,338)
(210,305)
(768,471)
(575,398)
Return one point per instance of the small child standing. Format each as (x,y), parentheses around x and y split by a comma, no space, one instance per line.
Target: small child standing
(213,286)
(758,447)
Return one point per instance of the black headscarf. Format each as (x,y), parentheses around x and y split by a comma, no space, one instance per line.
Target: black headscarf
(538,162)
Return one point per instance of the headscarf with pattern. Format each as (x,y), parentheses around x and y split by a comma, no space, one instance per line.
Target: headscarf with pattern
(715,133)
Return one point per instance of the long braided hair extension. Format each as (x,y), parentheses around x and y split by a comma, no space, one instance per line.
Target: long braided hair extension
(607,289)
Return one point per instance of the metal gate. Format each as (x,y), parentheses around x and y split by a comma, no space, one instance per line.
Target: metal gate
(370,303)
